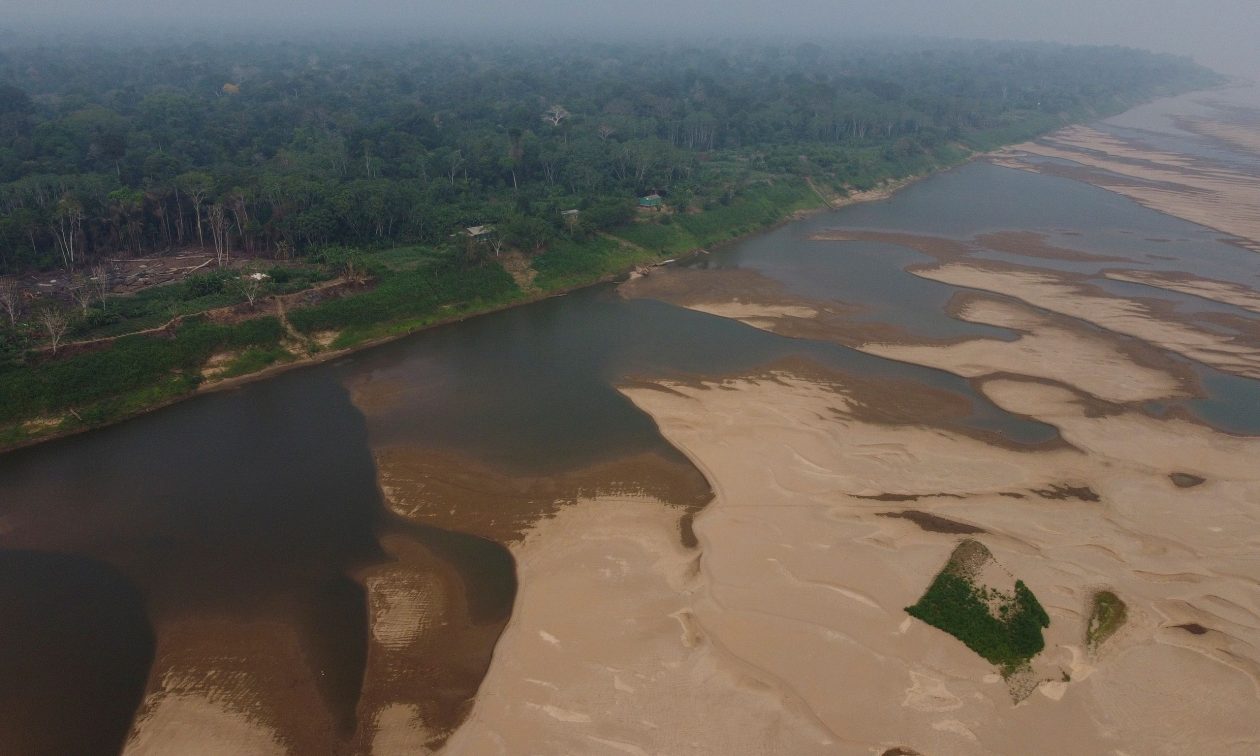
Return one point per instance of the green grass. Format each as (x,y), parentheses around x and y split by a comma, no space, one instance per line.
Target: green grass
(255,359)
(1107,614)
(1003,628)
(756,208)
(405,299)
(403,258)
(150,308)
(573,263)
(662,240)
(129,373)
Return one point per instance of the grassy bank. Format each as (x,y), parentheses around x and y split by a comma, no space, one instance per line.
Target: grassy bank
(411,288)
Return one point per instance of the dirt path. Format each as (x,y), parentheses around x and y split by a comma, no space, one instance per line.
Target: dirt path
(809,180)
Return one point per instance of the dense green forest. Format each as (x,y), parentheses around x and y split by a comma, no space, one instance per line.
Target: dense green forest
(329,184)
(279,148)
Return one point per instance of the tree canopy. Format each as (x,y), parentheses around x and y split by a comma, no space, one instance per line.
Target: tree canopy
(106,149)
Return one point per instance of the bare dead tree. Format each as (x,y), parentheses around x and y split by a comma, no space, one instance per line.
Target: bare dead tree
(496,242)
(284,250)
(102,282)
(251,285)
(197,186)
(10,300)
(455,162)
(555,115)
(354,271)
(54,322)
(220,232)
(81,292)
(605,131)
(69,222)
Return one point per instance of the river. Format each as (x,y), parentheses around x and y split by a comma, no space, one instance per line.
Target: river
(240,524)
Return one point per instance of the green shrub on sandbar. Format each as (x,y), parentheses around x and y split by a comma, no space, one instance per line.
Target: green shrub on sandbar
(1008,638)
(1107,614)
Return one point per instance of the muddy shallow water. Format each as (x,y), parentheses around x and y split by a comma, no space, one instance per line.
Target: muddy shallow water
(246,525)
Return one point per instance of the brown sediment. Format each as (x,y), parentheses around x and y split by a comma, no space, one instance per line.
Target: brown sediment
(932,246)
(259,698)
(1024,243)
(890,401)
(1033,244)
(1186,480)
(1067,491)
(446,490)
(1194,628)
(933,523)
(427,651)
(761,302)
(684,286)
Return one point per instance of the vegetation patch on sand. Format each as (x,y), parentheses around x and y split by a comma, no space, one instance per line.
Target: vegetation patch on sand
(1002,626)
(1106,615)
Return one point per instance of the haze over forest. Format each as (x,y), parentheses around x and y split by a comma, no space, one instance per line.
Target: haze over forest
(808,377)
(1218,33)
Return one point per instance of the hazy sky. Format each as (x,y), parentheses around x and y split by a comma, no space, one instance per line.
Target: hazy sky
(1221,33)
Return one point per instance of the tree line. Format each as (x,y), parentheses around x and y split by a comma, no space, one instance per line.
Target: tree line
(276,149)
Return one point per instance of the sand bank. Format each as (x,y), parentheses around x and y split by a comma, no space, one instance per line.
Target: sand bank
(605,654)
(785,630)
(1091,362)
(808,585)
(1062,294)
(1206,193)
(1217,291)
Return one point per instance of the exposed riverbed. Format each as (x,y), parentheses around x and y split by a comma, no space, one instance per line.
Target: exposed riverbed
(326,561)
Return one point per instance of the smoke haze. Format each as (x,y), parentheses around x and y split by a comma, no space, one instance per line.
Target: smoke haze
(1218,33)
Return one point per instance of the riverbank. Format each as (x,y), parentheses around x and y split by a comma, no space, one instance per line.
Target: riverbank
(165,379)
(615,256)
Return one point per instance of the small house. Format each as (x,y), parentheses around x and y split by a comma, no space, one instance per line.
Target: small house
(570,217)
(479,233)
(651,201)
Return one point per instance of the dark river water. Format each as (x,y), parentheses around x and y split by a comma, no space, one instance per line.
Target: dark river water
(259,503)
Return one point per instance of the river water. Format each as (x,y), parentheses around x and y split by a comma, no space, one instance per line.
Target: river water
(260,504)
